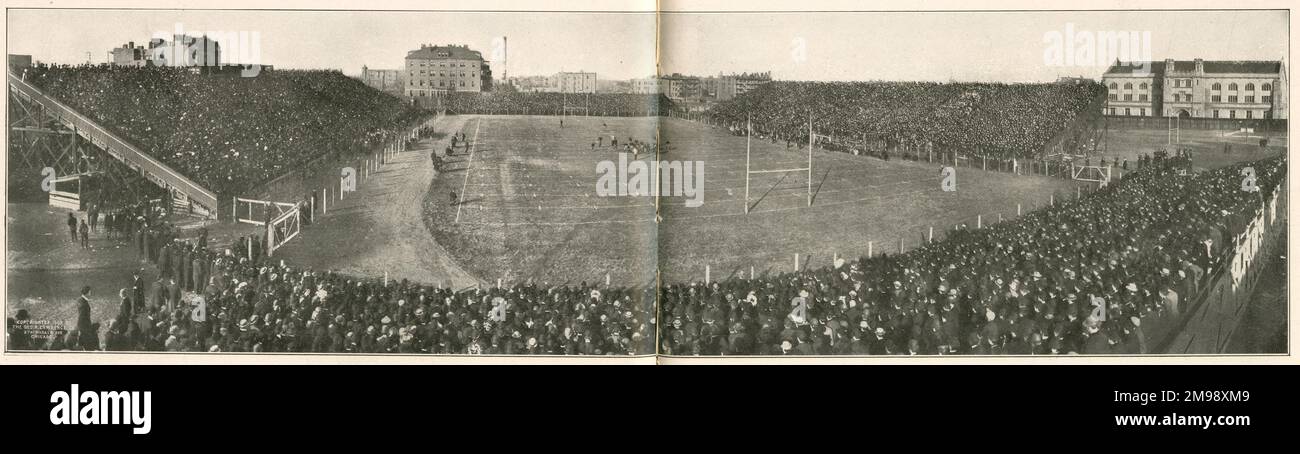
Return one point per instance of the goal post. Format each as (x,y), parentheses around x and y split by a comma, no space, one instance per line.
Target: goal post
(283,228)
(749,132)
(258,212)
(1096,174)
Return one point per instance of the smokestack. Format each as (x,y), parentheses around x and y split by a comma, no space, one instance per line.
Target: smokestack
(505,57)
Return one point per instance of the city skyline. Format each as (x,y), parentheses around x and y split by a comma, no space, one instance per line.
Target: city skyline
(965,46)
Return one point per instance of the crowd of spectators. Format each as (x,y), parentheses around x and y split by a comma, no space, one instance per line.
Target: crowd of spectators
(1141,248)
(994,120)
(520,103)
(228,133)
(250,303)
(1137,249)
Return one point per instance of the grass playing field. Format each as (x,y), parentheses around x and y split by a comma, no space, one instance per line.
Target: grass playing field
(1207,145)
(529,207)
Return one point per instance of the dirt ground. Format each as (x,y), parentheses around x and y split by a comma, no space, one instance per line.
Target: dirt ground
(378,229)
(45,270)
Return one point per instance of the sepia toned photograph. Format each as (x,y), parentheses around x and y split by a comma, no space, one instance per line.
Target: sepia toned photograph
(651,184)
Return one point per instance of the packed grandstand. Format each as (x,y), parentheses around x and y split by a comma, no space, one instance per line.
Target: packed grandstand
(595,104)
(994,120)
(228,133)
(1025,286)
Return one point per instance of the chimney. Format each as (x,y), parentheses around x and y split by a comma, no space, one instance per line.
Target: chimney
(1169,65)
(1200,66)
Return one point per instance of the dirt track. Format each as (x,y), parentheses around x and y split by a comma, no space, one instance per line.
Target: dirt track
(379,229)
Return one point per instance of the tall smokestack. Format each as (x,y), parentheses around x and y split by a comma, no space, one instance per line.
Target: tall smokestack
(505,56)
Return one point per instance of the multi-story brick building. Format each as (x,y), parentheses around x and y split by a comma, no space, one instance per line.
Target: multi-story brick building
(1197,89)
(385,80)
(731,86)
(574,82)
(431,70)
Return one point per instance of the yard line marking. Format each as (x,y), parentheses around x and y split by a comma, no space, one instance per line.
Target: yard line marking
(472,146)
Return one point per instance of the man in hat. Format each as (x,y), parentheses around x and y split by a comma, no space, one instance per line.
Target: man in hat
(1096,341)
(1169,299)
(72,227)
(85,235)
(84,329)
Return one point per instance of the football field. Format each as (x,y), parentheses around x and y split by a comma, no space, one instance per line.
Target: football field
(528,205)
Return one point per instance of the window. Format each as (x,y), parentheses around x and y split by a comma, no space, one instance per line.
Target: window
(1216,98)
(1266,99)
(1127,111)
(1216,113)
(1268,114)
(1112,111)
(1250,114)
(1128,86)
(1113,97)
(1114,86)
(1250,99)
(1232,87)
(1128,97)
(1232,114)
(1250,87)
(1142,97)
(1188,97)
(1216,87)
(1266,87)
(1142,86)
(1232,98)
(1143,112)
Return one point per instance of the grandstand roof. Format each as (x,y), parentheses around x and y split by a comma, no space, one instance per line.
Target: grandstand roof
(1211,67)
(449,52)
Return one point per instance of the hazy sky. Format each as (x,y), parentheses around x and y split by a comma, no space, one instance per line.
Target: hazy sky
(1005,46)
(615,45)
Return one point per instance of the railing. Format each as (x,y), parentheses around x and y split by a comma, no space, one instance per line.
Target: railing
(151,168)
(1208,325)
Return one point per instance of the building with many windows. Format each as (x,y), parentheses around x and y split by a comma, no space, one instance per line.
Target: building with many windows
(130,55)
(1197,89)
(647,86)
(385,80)
(432,70)
(733,85)
(675,86)
(574,82)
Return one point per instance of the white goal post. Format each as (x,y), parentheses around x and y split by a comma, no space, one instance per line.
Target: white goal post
(283,228)
(1096,174)
(749,132)
(282,220)
(258,212)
